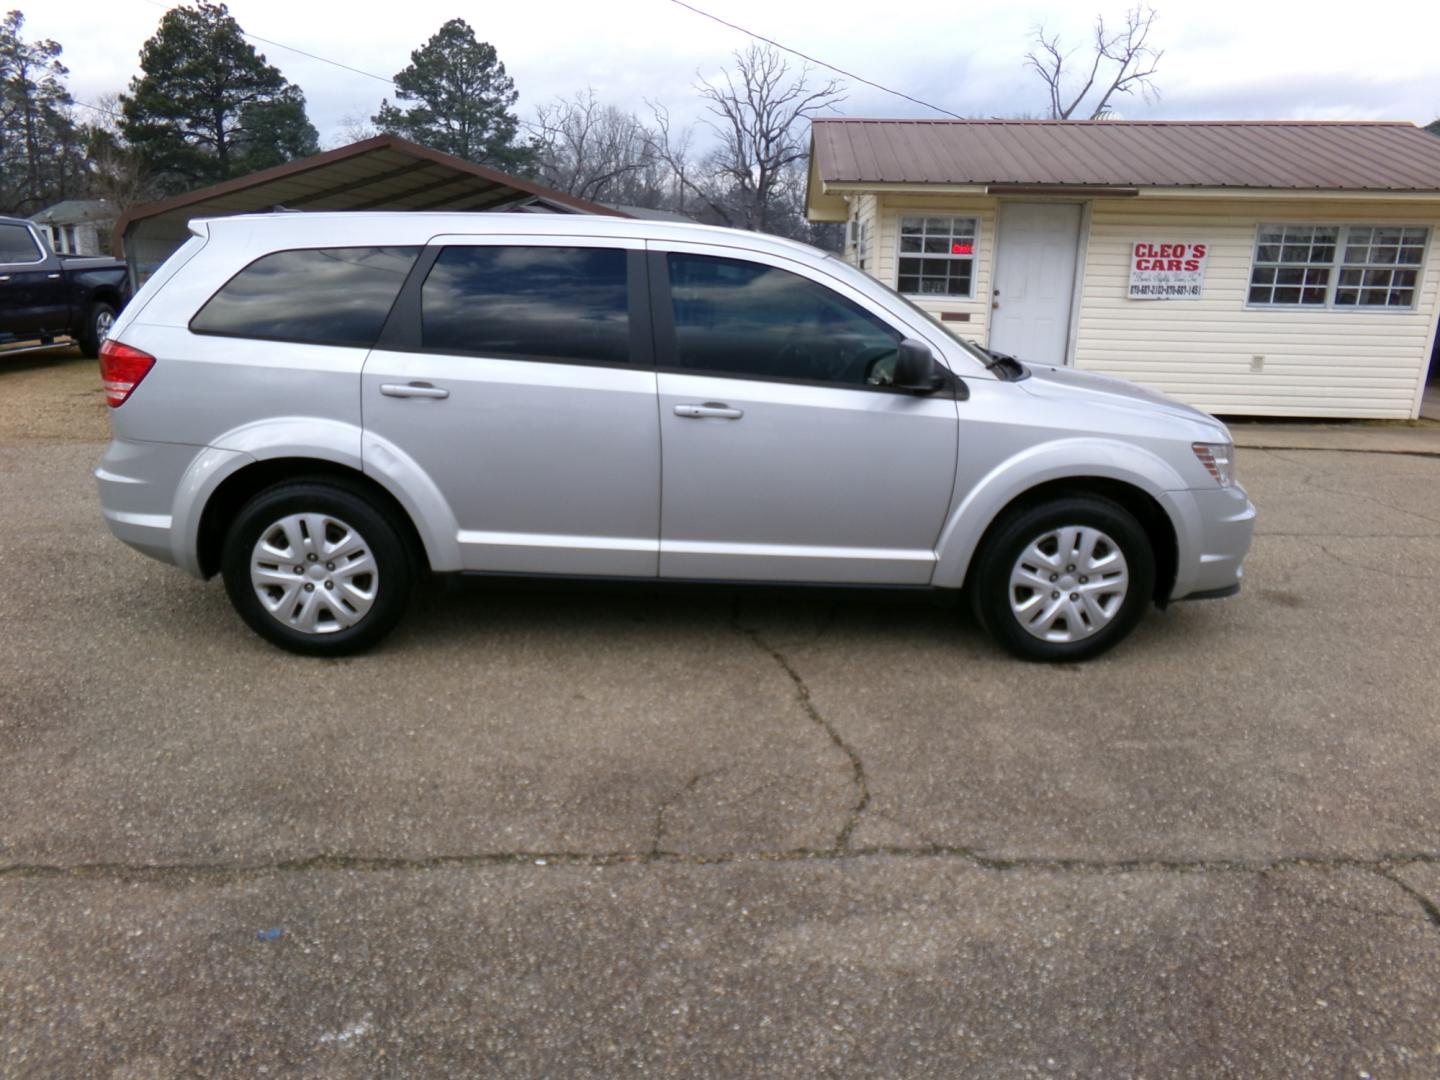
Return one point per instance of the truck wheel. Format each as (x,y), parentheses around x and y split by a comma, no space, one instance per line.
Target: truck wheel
(1064,580)
(316,568)
(98,321)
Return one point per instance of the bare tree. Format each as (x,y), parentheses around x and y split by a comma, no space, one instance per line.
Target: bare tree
(1122,62)
(355,127)
(596,151)
(755,178)
(116,173)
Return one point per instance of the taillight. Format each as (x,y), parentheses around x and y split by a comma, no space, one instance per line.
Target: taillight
(121,369)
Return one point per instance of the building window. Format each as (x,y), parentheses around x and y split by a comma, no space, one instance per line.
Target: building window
(862,243)
(1380,267)
(1336,265)
(937,256)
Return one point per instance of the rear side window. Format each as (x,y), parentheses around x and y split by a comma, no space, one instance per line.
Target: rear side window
(17,245)
(541,303)
(741,318)
(320,296)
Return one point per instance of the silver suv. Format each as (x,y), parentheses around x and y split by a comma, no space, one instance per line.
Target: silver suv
(319,407)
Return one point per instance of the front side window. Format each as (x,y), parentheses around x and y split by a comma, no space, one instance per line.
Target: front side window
(937,256)
(541,303)
(318,296)
(17,245)
(742,318)
(1336,265)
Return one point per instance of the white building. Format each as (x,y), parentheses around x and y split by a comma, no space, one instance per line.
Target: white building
(78,226)
(1249,268)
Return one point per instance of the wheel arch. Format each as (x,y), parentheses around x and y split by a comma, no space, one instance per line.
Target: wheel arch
(104,294)
(225,502)
(1159,529)
(1123,473)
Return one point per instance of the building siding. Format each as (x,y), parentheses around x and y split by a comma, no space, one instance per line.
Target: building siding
(1313,363)
(1343,363)
(885,244)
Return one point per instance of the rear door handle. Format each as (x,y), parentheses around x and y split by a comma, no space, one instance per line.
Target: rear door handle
(710,408)
(414,389)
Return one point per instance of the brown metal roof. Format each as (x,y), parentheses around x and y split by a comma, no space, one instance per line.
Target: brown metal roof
(382,173)
(1289,155)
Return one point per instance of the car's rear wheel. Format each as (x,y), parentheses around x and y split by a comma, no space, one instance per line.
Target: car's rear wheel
(98,321)
(317,568)
(1064,580)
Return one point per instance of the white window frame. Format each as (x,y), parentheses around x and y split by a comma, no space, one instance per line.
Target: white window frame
(973,257)
(1336,266)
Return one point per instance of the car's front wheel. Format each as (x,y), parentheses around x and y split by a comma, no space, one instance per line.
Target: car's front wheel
(316,568)
(1064,580)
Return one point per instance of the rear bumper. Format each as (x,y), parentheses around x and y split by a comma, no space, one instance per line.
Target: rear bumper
(1214,530)
(151,495)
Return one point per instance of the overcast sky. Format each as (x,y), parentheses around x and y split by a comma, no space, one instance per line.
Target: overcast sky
(1223,58)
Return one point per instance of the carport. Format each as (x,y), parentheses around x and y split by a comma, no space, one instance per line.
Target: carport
(382,173)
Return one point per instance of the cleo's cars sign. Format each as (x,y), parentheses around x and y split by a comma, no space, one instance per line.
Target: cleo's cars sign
(1167,271)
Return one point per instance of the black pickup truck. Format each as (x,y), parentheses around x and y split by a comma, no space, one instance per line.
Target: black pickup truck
(46,297)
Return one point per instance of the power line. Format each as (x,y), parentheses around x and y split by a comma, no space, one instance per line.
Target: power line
(322,59)
(814,60)
(291,48)
(97,108)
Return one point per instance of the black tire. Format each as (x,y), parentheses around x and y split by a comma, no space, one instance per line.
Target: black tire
(97,323)
(392,585)
(990,582)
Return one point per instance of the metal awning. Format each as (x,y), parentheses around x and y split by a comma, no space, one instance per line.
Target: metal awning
(382,173)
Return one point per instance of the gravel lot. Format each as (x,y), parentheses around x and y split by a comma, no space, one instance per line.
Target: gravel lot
(597,832)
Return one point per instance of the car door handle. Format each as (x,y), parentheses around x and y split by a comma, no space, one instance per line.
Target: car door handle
(710,408)
(414,389)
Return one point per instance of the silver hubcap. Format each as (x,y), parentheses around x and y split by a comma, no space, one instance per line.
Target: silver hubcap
(103,322)
(314,573)
(1068,583)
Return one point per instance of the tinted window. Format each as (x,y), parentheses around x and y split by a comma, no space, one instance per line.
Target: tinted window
(17,245)
(325,296)
(536,302)
(746,319)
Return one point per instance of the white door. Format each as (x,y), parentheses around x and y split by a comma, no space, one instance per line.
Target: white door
(1035,280)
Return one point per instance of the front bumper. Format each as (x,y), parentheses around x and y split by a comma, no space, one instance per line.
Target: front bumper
(1214,530)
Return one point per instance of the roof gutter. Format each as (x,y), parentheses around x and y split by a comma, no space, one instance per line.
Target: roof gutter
(1089,191)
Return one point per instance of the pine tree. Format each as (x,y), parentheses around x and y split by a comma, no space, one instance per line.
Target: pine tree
(207,107)
(463,100)
(41,147)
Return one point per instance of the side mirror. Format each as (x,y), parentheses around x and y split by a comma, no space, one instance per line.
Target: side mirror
(915,368)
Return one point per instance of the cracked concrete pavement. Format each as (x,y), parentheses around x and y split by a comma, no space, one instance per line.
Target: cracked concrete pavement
(594,831)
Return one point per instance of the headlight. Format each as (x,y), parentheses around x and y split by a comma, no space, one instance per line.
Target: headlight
(1218,459)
